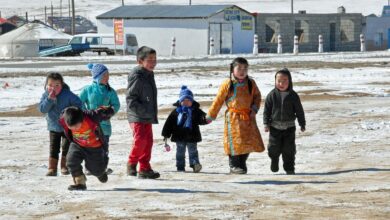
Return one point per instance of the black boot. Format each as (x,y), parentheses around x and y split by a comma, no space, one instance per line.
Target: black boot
(132,170)
(274,165)
(103,178)
(149,174)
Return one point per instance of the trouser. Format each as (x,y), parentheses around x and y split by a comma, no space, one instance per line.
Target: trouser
(181,152)
(55,144)
(141,151)
(283,142)
(94,157)
(238,161)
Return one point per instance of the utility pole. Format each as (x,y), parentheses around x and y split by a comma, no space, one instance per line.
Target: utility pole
(26,17)
(190,2)
(51,12)
(60,8)
(292,6)
(69,7)
(123,2)
(45,14)
(73,19)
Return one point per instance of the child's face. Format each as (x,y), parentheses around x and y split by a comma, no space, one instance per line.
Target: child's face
(186,103)
(281,82)
(105,79)
(75,127)
(54,85)
(149,62)
(240,71)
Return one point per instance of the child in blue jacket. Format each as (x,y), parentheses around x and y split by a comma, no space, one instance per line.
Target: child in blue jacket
(100,94)
(55,99)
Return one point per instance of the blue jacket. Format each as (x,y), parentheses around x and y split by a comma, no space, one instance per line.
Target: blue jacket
(53,108)
(96,95)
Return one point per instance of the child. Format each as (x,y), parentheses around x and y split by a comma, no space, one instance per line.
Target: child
(99,94)
(182,126)
(55,99)
(242,98)
(282,107)
(141,99)
(87,143)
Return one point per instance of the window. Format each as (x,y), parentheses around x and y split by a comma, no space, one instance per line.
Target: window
(302,31)
(132,41)
(76,40)
(93,40)
(347,29)
(272,28)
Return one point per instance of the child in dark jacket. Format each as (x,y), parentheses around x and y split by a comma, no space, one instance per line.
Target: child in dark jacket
(282,107)
(54,100)
(88,143)
(182,126)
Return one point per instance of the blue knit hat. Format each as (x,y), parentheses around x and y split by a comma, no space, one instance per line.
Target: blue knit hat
(185,93)
(97,70)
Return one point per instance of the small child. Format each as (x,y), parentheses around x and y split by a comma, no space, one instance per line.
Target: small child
(242,98)
(83,130)
(100,94)
(182,126)
(141,99)
(282,107)
(55,99)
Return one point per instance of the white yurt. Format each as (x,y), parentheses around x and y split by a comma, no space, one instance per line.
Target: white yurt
(27,40)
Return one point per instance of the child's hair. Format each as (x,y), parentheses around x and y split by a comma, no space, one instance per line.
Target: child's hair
(283,71)
(236,61)
(54,76)
(73,115)
(144,52)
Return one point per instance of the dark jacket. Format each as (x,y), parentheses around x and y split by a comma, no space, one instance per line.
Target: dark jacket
(291,109)
(93,117)
(53,108)
(141,96)
(176,133)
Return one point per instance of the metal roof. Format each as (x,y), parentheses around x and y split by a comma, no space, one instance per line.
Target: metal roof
(164,11)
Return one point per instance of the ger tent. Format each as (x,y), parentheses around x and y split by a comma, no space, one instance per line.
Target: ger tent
(27,40)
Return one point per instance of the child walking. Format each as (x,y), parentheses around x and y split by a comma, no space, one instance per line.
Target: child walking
(83,130)
(54,100)
(242,98)
(100,94)
(141,99)
(182,126)
(282,107)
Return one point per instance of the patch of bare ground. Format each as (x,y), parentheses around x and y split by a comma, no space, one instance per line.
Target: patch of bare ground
(307,83)
(30,111)
(380,83)
(357,94)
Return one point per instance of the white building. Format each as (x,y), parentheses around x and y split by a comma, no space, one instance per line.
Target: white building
(231,27)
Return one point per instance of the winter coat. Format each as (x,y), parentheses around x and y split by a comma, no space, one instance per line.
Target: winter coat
(53,108)
(141,96)
(241,134)
(96,95)
(176,133)
(93,118)
(289,111)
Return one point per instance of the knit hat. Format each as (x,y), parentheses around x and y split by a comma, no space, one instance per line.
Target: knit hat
(97,71)
(185,93)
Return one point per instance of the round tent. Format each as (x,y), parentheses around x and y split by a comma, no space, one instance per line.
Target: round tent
(27,40)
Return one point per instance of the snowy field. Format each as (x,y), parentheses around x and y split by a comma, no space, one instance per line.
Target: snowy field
(342,165)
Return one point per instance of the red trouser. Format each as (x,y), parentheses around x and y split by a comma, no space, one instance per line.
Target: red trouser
(141,151)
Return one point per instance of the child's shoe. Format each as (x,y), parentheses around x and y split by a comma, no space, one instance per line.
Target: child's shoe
(181,169)
(131,170)
(197,167)
(274,165)
(52,167)
(103,178)
(237,170)
(290,172)
(79,183)
(109,171)
(149,174)
(64,169)
(51,172)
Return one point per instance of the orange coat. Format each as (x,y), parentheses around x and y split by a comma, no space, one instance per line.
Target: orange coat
(241,134)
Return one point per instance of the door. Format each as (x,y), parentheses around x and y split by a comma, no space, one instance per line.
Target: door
(332,37)
(222,33)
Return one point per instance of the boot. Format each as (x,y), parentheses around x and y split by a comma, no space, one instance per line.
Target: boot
(64,169)
(274,165)
(52,167)
(103,178)
(79,183)
(148,174)
(197,168)
(131,170)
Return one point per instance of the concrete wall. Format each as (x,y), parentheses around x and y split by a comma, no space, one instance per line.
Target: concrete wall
(347,25)
(376,31)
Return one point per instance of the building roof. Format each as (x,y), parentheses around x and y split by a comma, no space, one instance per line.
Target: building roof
(164,11)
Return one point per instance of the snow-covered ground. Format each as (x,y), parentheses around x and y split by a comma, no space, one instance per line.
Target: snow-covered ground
(342,165)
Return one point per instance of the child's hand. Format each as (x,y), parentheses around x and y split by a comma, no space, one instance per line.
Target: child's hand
(208,121)
(52,93)
(266,129)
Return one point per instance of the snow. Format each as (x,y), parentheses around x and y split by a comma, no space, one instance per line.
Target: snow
(342,159)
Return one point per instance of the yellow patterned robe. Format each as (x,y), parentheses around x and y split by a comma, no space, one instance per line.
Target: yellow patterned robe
(241,134)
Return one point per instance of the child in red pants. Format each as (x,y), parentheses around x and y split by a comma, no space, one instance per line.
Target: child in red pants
(141,99)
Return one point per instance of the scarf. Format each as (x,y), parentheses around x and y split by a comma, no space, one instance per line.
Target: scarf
(184,119)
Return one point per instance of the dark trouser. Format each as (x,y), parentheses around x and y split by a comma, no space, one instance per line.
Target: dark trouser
(55,144)
(107,139)
(283,142)
(95,160)
(238,161)
(181,152)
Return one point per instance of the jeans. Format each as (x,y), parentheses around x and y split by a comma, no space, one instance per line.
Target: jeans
(181,152)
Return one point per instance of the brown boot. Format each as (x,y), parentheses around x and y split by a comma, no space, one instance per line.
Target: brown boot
(64,169)
(131,170)
(52,167)
(79,183)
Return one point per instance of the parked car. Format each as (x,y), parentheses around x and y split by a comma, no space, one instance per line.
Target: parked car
(105,43)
